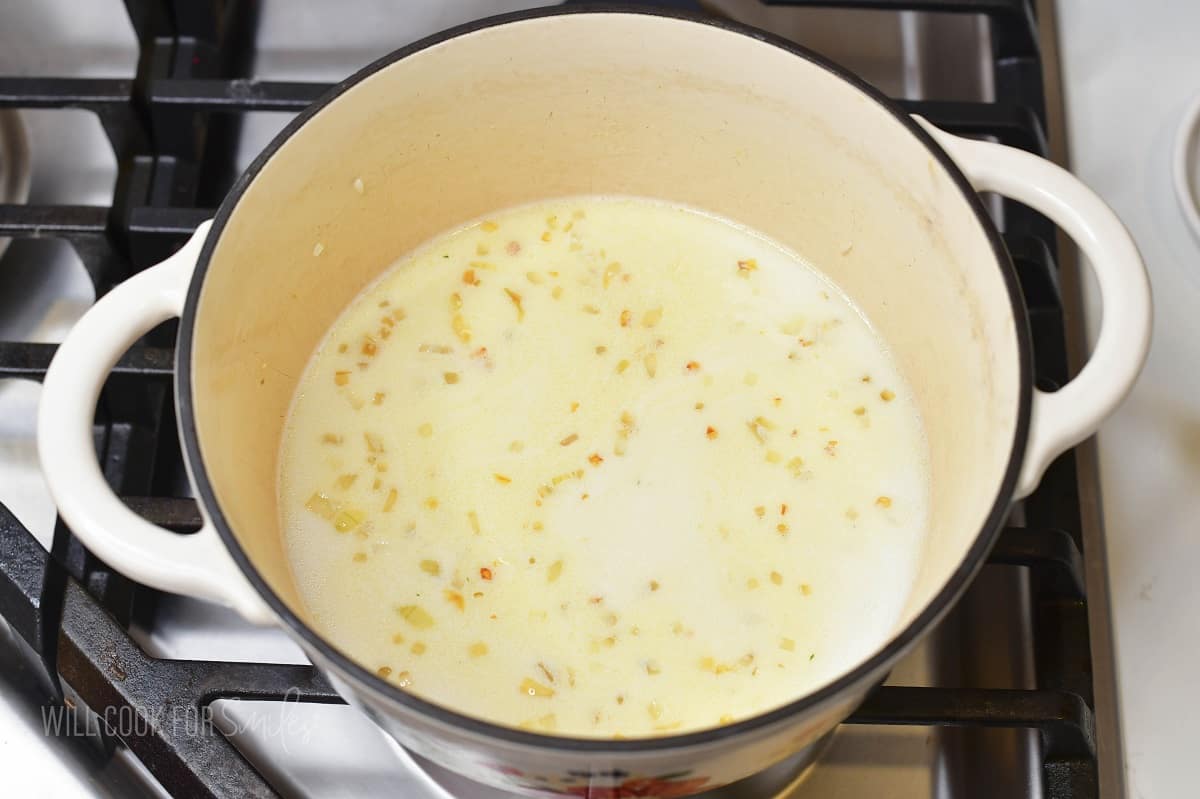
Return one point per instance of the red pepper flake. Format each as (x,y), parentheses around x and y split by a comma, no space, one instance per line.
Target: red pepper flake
(485,573)
(746,267)
(783,509)
(596,600)
(711,432)
(595,459)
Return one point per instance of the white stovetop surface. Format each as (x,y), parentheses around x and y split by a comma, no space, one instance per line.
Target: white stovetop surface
(1131,69)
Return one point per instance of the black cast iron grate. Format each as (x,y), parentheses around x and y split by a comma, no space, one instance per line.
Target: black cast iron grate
(172,129)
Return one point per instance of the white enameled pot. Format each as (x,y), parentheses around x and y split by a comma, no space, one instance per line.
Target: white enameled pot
(555,103)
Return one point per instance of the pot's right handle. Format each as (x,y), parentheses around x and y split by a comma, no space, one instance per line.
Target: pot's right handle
(197,565)
(1063,418)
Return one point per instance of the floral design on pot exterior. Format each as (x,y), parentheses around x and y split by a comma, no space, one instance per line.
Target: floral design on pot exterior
(623,786)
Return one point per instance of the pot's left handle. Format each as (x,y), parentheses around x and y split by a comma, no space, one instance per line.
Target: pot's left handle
(196,565)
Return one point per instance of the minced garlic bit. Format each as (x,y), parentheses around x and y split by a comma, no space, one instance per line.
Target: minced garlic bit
(359,557)
(651,364)
(390,502)
(341,377)
(555,571)
(318,248)
(886,395)
(760,511)
(378,398)
(773,456)
(456,599)
(347,520)
(610,272)
(516,301)
(489,226)
(469,278)
(431,503)
(831,447)
(569,440)
(460,328)
(652,317)
(358,185)
(416,615)
(473,518)
(746,267)
(374,442)
(431,567)
(626,316)
(805,589)
(425,430)
(883,502)
(450,377)
(477,649)
(781,528)
(503,479)
(384,671)
(776,578)
(417,648)
(787,644)
(546,235)
(595,459)
(331,438)
(532,687)
(692,366)
(346,480)
(516,446)
(404,679)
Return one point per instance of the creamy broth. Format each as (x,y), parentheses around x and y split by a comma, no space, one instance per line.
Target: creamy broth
(604,466)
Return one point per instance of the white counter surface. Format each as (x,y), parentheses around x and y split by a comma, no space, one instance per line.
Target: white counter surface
(1130,70)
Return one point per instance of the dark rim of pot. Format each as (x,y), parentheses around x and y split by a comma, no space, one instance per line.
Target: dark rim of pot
(872,666)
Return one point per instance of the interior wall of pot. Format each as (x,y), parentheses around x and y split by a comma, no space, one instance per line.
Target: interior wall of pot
(614,104)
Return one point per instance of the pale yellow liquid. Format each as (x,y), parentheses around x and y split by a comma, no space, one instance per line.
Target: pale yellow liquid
(604,466)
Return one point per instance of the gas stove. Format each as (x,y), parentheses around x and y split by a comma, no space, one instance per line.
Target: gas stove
(132,120)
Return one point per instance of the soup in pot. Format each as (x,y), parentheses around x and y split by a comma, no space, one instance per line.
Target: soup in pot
(604,467)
